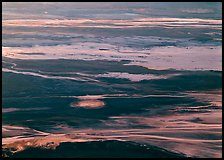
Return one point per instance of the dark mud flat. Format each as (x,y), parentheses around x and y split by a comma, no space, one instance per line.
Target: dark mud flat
(65,65)
(26,91)
(96,149)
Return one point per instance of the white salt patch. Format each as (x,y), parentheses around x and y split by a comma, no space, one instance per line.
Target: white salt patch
(134,77)
(179,58)
(89,104)
(104,23)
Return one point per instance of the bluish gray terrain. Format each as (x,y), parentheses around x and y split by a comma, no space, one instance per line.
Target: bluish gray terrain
(110,79)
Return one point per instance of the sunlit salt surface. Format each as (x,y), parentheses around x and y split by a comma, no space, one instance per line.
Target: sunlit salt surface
(180,58)
(135,77)
(88,104)
(141,22)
